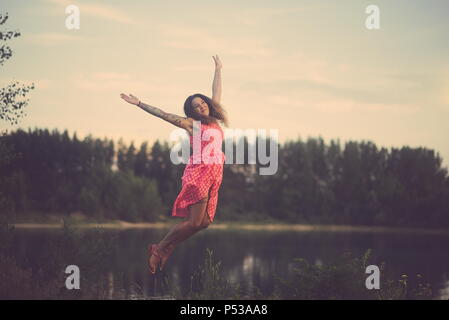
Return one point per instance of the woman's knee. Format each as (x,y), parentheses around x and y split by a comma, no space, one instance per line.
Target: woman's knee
(205,224)
(206,221)
(197,220)
(198,225)
(195,224)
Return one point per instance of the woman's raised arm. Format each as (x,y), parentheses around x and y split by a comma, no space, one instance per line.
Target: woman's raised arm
(216,85)
(182,122)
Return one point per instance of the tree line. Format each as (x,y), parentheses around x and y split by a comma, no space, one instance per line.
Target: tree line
(358,184)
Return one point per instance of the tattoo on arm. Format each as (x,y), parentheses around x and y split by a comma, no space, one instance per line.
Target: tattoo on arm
(178,121)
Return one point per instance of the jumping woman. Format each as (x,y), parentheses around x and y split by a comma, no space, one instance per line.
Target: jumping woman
(197,200)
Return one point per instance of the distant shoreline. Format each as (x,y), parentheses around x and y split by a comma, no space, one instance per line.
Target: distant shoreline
(122,225)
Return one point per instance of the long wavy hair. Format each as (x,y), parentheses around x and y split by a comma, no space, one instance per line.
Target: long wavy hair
(216,111)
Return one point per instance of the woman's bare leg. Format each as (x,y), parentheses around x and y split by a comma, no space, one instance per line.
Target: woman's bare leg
(198,220)
(186,228)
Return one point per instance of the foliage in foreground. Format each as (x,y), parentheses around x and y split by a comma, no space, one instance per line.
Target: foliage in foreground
(345,279)
(40,275)
(208,282)
(342,280)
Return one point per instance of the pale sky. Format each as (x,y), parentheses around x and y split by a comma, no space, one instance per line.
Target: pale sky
(306,68)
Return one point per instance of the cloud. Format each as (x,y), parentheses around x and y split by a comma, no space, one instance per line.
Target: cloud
(122,83)
(107,81)
(345,106)
(300,76)
(191,38)
(52,38)
(276,104)
(256,16)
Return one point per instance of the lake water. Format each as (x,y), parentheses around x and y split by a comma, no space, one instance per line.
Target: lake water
(252,258)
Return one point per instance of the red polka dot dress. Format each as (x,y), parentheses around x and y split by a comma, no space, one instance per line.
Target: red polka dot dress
(203,173)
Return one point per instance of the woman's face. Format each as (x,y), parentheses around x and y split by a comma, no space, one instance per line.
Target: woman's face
(200,106)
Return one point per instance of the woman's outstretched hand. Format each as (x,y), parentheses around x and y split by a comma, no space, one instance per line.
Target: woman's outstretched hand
(218,64)
(130,99)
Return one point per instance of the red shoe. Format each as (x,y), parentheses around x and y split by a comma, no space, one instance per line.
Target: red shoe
(154,250)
